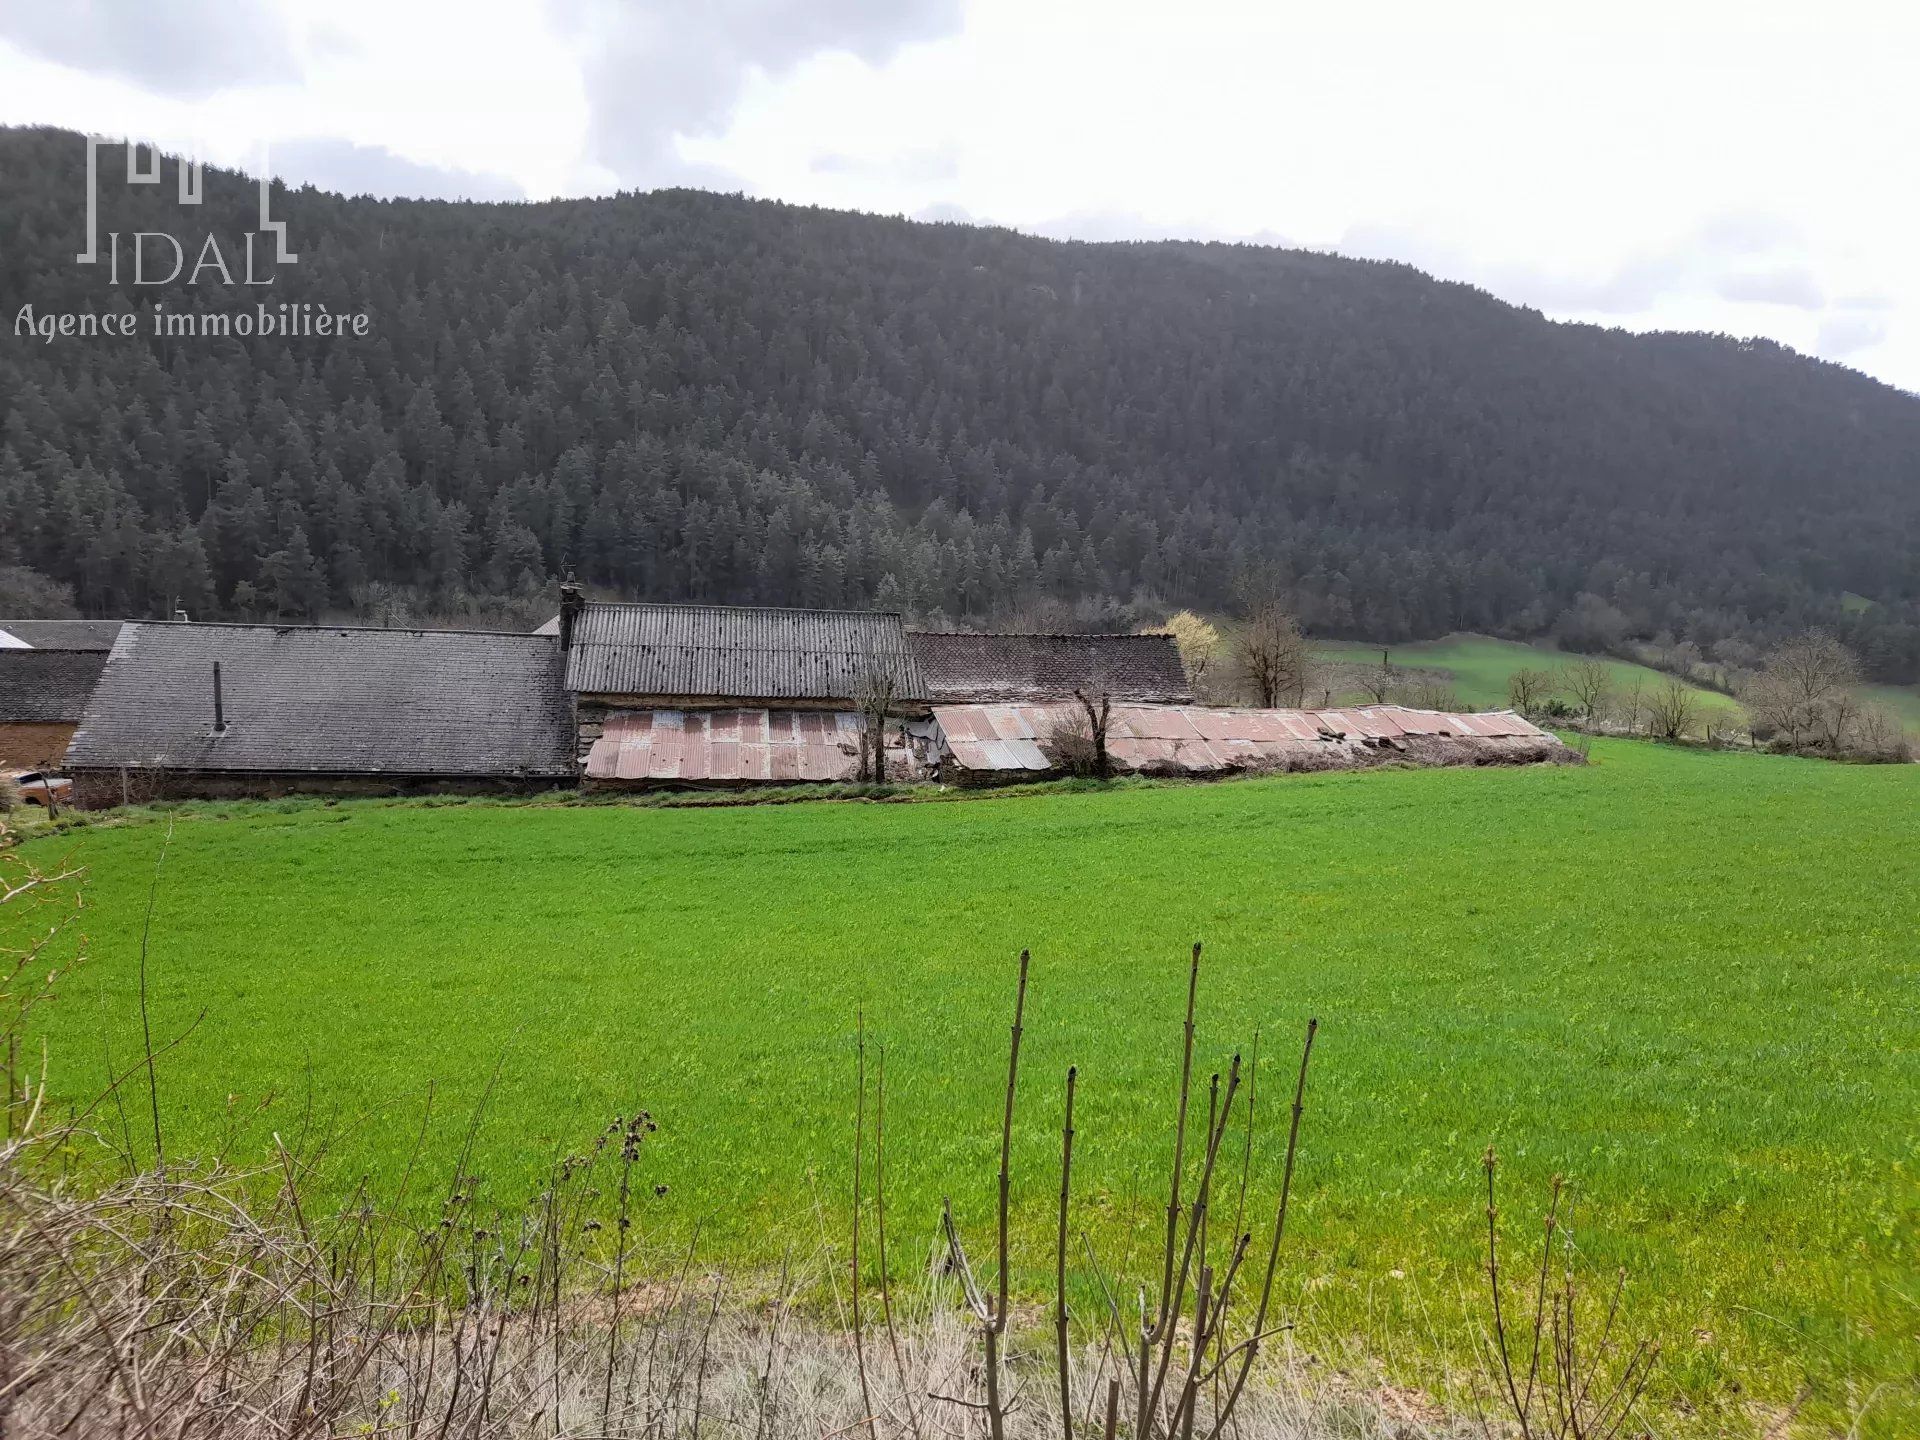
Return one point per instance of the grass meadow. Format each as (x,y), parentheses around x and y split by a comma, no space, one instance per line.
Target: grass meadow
(1480,665)
(1688,980)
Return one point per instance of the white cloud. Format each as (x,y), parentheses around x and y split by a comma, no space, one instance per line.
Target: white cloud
(654,73)
(1845,333)
(1791,284)
(349,169)
(171,47)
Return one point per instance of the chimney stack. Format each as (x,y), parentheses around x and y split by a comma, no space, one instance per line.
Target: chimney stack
(180,617)
(572,602)
(219,710)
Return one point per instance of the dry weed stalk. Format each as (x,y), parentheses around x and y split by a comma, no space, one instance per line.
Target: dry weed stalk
(1189,1315)
(991,1313)
(201,1299)
(1573,1388)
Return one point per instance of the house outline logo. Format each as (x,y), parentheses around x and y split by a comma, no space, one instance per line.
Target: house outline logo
(191,191)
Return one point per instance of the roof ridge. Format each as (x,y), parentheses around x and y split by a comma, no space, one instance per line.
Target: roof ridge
(356,629)
(744,609)
(1046,634)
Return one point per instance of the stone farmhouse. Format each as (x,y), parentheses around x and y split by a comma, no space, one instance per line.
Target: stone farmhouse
(634,696)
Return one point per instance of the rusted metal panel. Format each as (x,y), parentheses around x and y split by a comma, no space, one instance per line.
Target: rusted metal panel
(1170,739)
(1018,755)
(1373,724)
(1008,722)
(1292,725)
(1155,722)
(1140,752)
(1425,722)
(967,726)
(735,746)
(1498,725)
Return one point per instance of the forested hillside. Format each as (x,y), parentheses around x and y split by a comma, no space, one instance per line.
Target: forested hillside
(687,396)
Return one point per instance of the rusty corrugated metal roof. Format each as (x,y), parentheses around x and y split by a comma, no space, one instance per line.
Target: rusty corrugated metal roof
(736,653)
(726,745)
(1202,740)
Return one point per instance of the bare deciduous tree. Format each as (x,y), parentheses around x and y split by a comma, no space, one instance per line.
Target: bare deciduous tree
(1633,705)
(991,1311)
(1097,717)
(1528,690)
(876,687)
(1879,735)
(1430,693)
(1805,693)
(1588,683)
(1377,681)
(1672,710)
(1273,656)
(1069,744)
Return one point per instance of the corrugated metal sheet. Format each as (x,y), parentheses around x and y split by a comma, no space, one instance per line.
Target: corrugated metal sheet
(638,746)
(1196,740)
(748,654)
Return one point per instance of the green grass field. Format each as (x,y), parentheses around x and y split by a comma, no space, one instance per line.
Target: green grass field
(1689,980)
(1480,665)
(1902,700)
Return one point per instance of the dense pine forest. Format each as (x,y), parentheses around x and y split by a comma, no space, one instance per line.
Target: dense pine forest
(690,396)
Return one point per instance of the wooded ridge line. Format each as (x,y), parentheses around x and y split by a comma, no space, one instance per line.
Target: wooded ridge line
(683,396)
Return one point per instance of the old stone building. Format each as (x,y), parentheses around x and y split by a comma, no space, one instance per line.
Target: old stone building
(48,669)
(225,710)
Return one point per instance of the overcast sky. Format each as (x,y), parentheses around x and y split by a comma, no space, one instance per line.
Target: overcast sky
(1747,167)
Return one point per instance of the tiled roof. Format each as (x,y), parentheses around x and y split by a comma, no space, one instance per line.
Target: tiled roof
(324,700)
(47,687)
(60,634)
(963,669)
(743,654)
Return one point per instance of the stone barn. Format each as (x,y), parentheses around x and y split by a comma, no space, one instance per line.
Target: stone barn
(48,669)
(200,710)
(723,695)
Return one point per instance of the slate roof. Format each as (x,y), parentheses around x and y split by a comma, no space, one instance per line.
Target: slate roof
(735,653)
(60,634)
(981,669)
(325,700)
(47,687)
